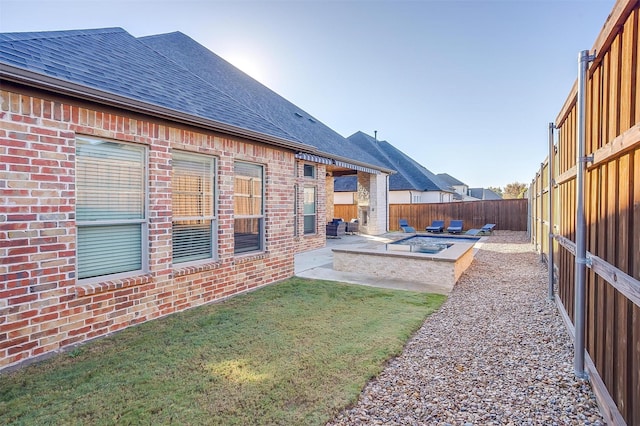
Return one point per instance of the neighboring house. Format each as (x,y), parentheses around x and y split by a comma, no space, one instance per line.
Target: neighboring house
(464,193)
(461,189)
(142,177)
(411,184)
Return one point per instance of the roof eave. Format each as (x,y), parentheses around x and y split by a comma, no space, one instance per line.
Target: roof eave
(64,87)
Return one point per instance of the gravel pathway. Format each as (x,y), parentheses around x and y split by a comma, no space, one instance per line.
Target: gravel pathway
(496,353)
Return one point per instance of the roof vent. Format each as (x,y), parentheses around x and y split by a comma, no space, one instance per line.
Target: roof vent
(312,120)
(298,114)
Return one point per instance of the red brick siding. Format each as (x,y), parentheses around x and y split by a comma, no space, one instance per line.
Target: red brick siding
(42,306)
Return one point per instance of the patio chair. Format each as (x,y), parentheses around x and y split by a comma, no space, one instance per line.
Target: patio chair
(336,228)
(436,226)
(485,230)
(404,225)
(353,227)
(455,227)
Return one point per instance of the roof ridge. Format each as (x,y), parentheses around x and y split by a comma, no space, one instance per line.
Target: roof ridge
(376,144)
(372,141)
(411,162)
(405,165)
(162,35)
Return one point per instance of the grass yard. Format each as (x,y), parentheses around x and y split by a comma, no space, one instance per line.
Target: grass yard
(291,353)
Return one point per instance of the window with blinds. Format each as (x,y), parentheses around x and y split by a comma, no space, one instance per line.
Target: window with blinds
(111,213)
(309,210)
(248,207)
(194,219)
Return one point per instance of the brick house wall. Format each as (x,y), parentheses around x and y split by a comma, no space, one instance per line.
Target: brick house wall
(305,242)
(42,306)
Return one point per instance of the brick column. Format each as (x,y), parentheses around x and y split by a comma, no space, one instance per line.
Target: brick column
(330,194)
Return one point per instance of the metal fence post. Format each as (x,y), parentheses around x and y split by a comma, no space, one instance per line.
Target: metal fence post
(581,239)
(541,220)
(550,166)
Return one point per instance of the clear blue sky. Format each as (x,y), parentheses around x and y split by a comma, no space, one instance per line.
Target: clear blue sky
(464,87)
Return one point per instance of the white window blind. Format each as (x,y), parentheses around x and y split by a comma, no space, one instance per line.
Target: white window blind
(193,186)
(110,207)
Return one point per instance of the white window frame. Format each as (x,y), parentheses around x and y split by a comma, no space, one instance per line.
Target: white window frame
(212,219)
(144,222)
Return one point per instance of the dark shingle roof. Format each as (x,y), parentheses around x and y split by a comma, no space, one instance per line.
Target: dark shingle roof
(174,72)
(449,180)
(410,174)
(272,107)
(484,194)
(113,61)
(345,183)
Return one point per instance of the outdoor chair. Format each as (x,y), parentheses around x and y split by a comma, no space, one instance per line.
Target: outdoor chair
(404,225)
(436,226)
(336,228)
(455,227)
(485,230)
(353,226)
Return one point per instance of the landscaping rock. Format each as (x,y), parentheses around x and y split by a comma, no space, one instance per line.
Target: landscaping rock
(496,353)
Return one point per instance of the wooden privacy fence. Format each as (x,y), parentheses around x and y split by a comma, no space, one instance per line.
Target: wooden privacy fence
(611,212)
(506,214)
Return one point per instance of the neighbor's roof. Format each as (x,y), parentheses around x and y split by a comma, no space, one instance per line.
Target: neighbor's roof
(449,180)
(410,174)
(112,66)
(484,194)
(345,183)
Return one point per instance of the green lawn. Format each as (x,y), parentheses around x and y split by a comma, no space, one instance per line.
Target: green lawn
(291,353)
